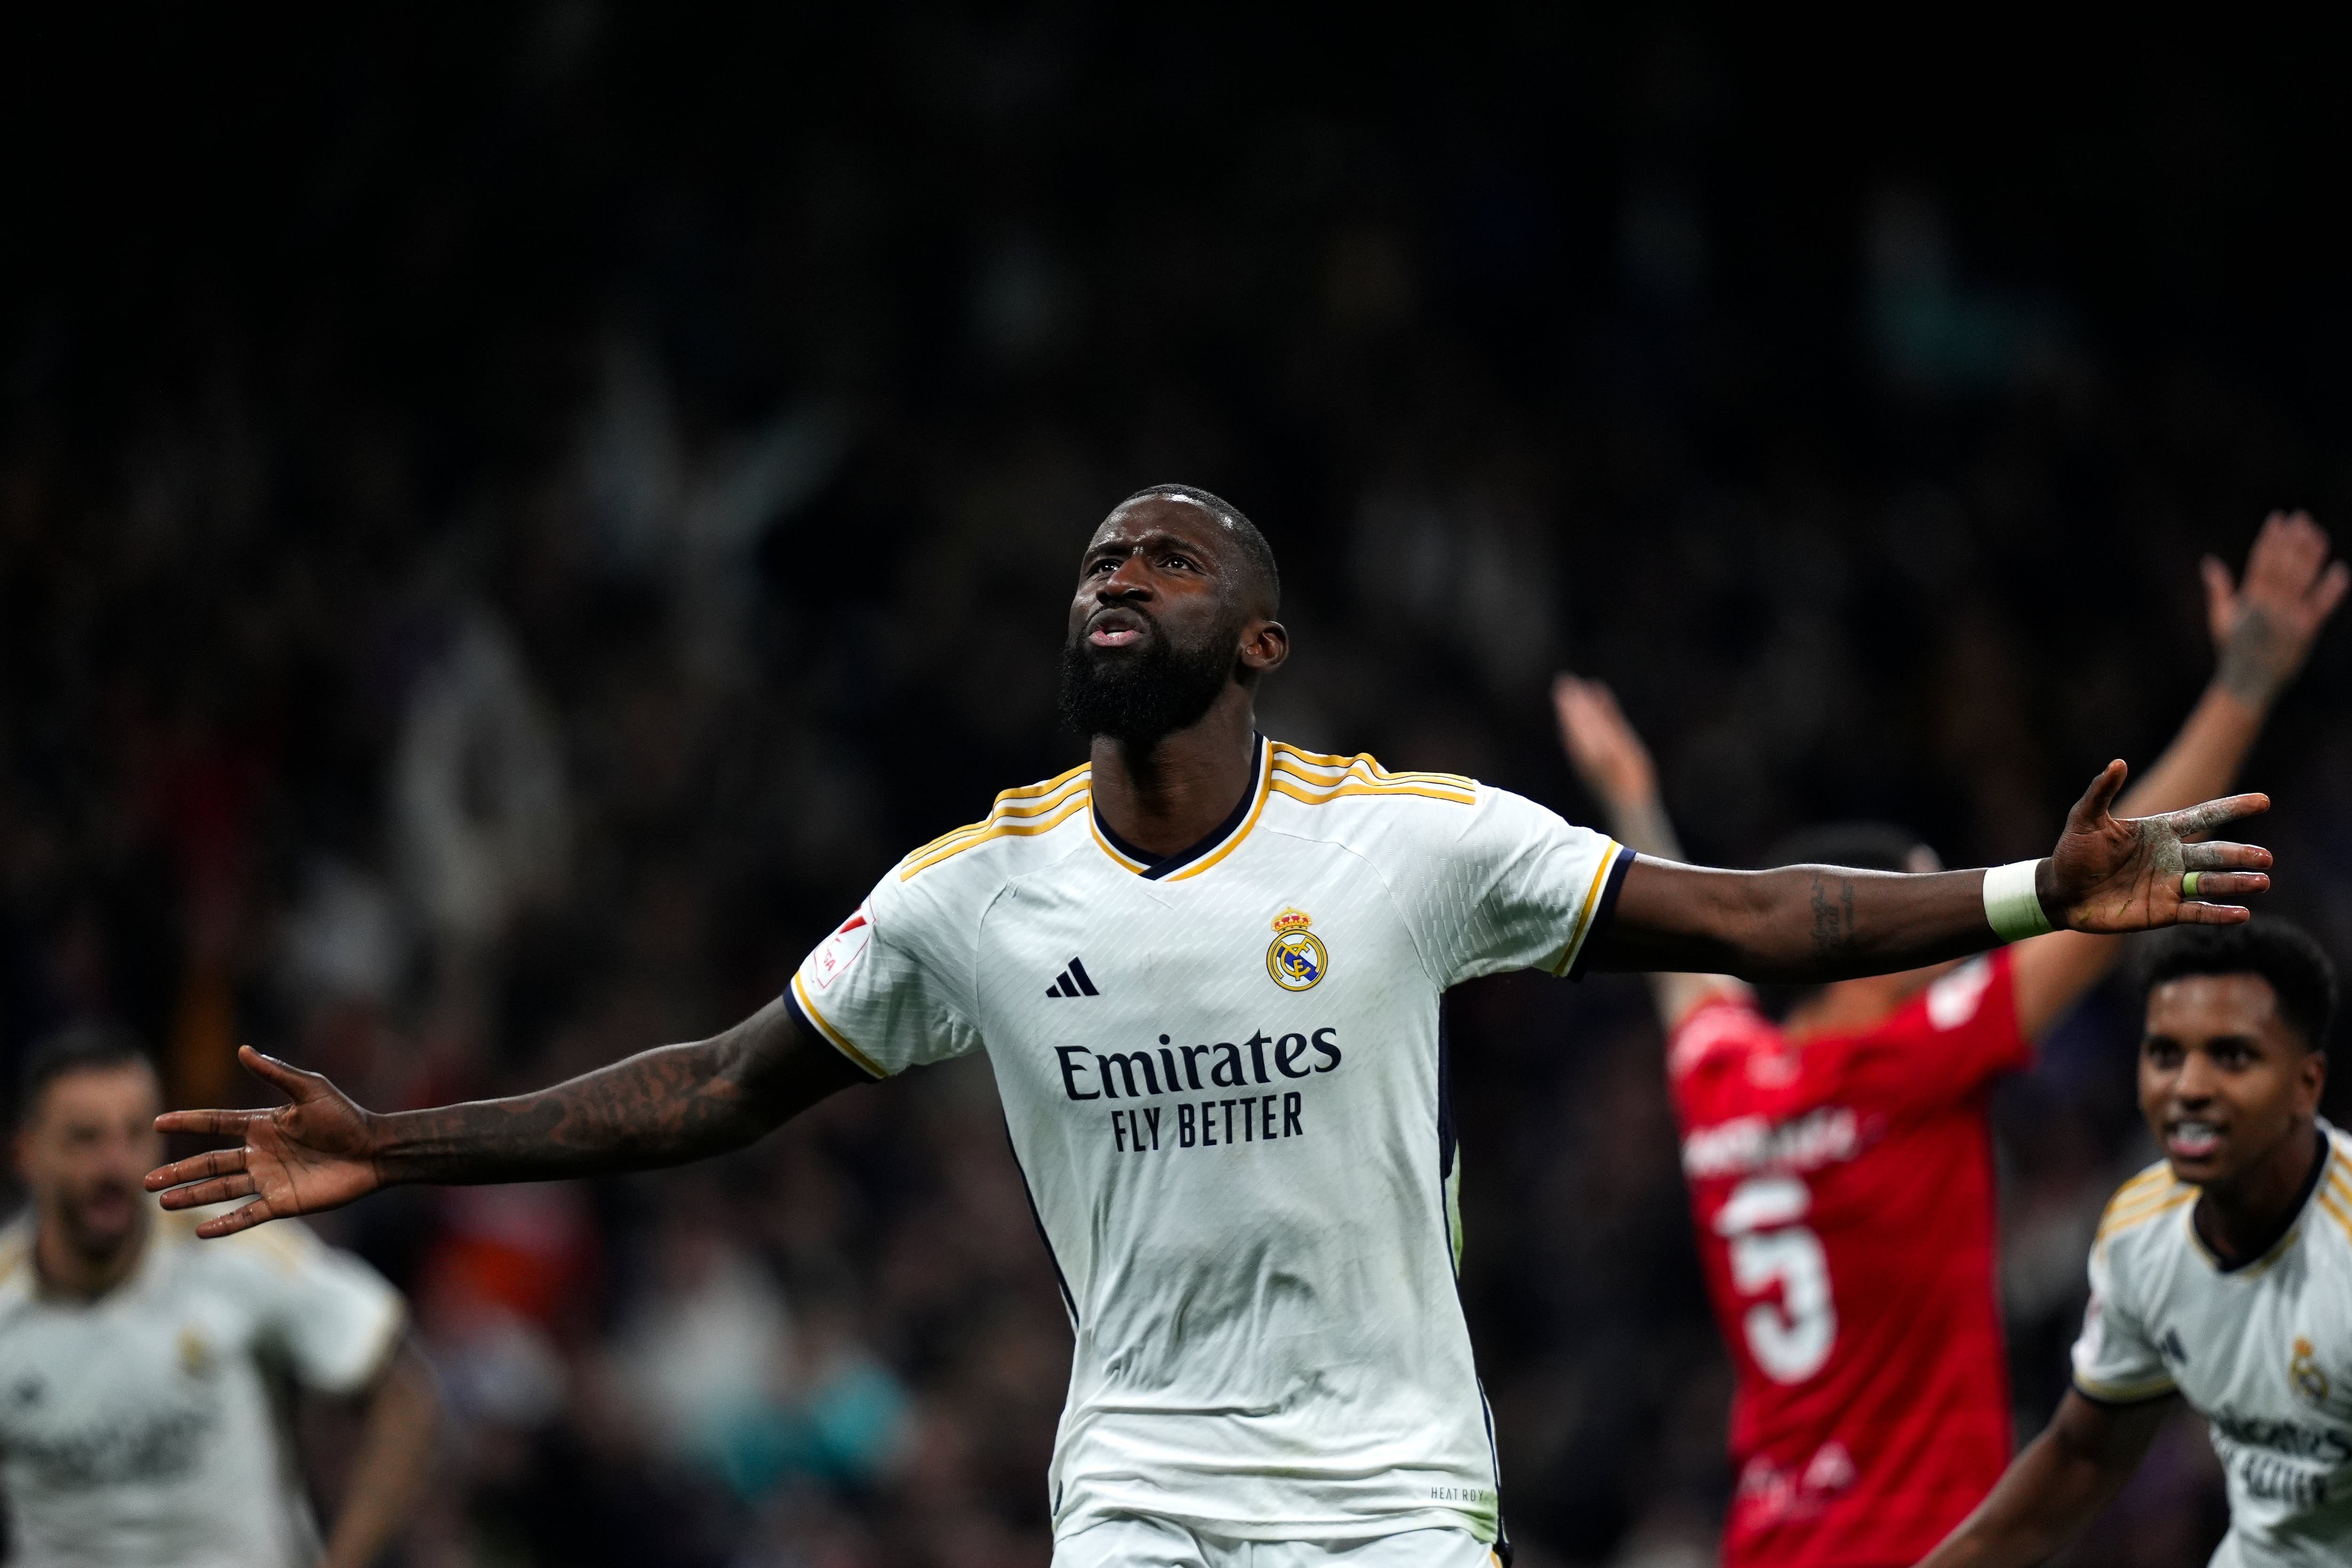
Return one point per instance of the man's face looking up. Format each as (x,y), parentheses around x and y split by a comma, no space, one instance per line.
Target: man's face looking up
(1167,614)
(2224,1079)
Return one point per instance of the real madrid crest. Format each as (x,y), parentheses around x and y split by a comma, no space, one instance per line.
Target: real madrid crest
(1295,958)
(2303,1369)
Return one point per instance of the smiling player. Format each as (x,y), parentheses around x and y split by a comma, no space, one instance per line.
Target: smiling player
(1206,969)
(2221,1275)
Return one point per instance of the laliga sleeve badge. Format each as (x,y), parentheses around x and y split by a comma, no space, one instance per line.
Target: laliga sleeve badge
(841,949)
(1295,958)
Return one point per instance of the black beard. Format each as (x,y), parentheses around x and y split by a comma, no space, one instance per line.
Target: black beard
(1136,699)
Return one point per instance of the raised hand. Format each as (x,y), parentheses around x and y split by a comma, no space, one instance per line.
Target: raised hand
(2264,626)
(317,1152)
(1609,755)
(2112,873)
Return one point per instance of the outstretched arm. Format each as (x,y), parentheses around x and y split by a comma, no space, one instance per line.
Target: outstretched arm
(1807,924)
(661,1107)
(2262,631)
(1609,755)
(2056,1486)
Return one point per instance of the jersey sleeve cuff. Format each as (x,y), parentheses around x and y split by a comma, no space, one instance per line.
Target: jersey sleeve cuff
(2116,1395)
(1604,909)
(809,1018)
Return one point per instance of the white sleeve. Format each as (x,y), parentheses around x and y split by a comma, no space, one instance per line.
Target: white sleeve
(334,1319)
(2116,1361)
(889,988)
(1507,884)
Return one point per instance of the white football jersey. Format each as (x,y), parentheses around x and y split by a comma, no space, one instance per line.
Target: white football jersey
(140,1428)
(2263,1351)
(1224,1082)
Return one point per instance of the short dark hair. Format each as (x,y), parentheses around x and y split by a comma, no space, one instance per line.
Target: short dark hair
(1252,543)
(2281,952)
(79,1047)
(1865,846)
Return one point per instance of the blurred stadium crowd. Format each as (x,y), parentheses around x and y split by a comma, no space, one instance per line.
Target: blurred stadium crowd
(507,526)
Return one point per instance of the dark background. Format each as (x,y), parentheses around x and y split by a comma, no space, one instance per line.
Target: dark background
(511,518)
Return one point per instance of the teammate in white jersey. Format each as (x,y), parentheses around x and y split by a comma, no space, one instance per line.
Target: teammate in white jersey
(2221,1275)
(1206,970)
(140,1422)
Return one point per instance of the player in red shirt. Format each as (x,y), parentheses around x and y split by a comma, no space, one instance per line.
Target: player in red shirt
(1840,1162)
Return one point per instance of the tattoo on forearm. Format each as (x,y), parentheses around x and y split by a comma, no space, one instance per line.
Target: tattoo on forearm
(659,1108)
(1832,916)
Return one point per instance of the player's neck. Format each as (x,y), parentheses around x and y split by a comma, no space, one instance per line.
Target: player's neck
(1167,796)
(2241,1220)
(68,1271)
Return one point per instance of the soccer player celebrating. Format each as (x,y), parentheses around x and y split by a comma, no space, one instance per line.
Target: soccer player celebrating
(2222,1274)
(140,1373)
(1840,1163)
(1206,970)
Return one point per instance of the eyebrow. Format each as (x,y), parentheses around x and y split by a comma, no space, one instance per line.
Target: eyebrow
(1156,536)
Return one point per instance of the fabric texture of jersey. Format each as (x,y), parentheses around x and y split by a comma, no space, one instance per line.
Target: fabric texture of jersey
(1842,1193)
(1155,1543)
(2262,1352)
(140,1428)
(1222,1077)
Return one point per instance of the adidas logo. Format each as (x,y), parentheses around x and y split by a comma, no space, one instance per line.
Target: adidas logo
(1073,982)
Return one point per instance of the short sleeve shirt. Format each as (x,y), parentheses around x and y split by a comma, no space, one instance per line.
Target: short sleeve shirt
(1222,1075)
(140,1428)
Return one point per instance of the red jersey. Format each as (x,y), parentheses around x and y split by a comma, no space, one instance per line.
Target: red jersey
(1843,1192)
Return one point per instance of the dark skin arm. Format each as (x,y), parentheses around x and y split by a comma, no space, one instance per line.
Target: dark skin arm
(395,1453)
(2057,1486)
(661,1107)
(1811,923)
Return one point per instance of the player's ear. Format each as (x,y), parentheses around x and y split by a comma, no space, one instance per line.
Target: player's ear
(2311,1081)
(1266,645)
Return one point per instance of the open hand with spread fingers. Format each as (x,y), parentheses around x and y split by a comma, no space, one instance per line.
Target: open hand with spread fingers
(315,1152)
(2113,875)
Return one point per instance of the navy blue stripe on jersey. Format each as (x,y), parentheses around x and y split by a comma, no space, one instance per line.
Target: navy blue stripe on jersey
(1602,913)
(809,1026)
(1157,866)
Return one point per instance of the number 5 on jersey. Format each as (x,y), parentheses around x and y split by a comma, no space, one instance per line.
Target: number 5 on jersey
(1792,1338)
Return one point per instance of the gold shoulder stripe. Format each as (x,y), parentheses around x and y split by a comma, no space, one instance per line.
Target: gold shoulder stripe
(2116,1224)
(1363,765)
(1021,820)
(2157,1175)
(1305,784)
(2140,1198)
(840,1041)
(2125,1211)
(2148,1186)
(1282,786)
(2336,1212)
(1035,800)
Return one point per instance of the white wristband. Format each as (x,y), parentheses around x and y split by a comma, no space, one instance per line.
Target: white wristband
(2012,908)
